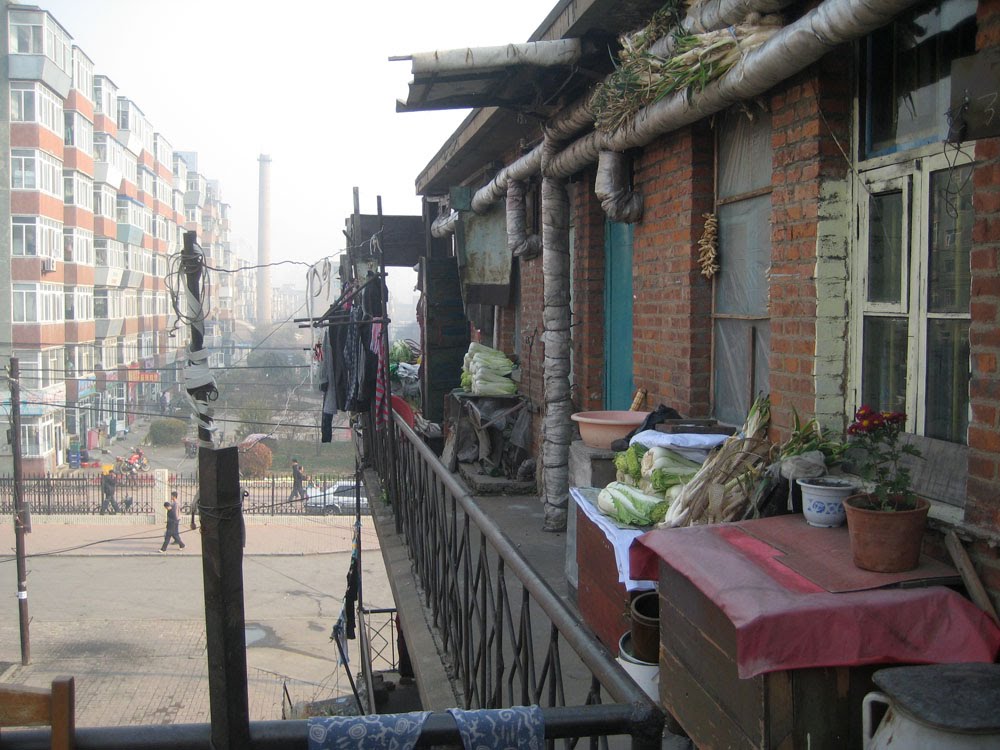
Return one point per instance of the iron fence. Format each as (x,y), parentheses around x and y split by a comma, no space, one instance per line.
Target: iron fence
(382,644)
(137,494)
(507,637)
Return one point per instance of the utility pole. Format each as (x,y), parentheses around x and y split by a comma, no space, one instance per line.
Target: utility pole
(21,526)
(221,513)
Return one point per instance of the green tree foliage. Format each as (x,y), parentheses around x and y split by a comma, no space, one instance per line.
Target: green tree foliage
(166,431)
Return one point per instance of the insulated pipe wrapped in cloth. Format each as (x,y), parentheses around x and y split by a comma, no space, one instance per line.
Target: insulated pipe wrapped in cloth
(619,202)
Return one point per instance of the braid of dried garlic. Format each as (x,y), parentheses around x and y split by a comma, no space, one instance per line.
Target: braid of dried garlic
(709,243)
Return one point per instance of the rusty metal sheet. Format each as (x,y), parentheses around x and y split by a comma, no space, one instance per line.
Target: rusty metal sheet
(484,259)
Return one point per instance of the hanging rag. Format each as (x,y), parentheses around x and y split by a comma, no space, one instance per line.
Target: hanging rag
(516,728)
(374,732)
(378,348)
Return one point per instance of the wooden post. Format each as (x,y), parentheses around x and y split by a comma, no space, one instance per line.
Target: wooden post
(20,512)
(220,509)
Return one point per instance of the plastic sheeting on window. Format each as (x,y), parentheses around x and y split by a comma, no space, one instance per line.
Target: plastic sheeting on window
(744,152)
(745,257)
(734,390)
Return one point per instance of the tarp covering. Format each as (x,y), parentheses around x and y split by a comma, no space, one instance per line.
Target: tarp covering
(785,621)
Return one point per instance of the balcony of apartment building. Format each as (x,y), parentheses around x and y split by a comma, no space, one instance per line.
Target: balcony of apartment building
(39,50)
(129,218)
(135,132)
(109,161)
(195,190)
(109,312)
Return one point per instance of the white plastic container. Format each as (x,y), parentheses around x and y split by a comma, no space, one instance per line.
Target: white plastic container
(645,674)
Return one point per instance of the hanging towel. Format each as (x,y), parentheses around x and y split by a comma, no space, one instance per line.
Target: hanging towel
(517,728)
(375,732)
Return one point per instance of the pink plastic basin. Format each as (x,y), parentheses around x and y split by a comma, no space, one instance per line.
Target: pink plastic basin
(598,429)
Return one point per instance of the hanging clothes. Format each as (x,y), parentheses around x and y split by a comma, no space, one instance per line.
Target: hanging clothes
(381,358)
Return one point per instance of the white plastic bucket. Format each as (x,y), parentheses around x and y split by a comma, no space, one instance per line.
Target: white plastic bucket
(645,674)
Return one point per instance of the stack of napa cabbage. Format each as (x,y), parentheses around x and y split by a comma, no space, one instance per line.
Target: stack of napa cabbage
(647,482)
(486,372)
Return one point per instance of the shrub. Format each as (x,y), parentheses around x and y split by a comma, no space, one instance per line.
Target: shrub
(255,461)
(166,431)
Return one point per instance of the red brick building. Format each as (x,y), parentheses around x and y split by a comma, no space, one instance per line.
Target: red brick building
(857,195)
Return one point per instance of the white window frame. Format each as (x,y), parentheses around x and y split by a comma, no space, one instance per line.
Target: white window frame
(78,245)
(913,176)
(37,303)
(105,201)
(109,253)
(78,190)
(32,169)
(46,109)
(79,303)
(79,133)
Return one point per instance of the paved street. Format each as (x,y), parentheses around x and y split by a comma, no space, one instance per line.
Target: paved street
(128,622)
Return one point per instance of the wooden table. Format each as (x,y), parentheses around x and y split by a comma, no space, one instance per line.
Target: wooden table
(746,639)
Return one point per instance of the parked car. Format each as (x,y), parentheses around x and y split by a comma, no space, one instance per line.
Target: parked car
(334,500)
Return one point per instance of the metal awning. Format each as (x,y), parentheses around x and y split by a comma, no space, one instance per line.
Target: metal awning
(518,76)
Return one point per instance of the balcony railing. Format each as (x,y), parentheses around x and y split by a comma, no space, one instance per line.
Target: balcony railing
(509,638)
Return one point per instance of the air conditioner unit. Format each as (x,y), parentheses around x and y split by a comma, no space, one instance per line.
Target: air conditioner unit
(48,265)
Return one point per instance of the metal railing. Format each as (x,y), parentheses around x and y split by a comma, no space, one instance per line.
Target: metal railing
(509,638)
(380,624)
(438,729)
(49,494)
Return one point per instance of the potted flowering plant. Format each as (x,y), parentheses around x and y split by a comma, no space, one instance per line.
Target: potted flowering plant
(886,523)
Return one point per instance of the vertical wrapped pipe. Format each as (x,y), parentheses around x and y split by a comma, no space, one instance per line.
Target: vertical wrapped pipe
(557,427)
(519,242)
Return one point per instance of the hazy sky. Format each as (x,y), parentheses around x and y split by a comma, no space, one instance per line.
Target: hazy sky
(308,83)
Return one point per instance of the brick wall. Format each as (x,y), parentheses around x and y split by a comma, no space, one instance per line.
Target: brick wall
(806,113)
(588,295)
(673,302)
(983,504)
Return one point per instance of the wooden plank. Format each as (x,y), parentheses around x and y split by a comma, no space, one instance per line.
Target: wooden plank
(711,667)
(63,713)
(698,712)
(977,592)
(601,598)
(24,706)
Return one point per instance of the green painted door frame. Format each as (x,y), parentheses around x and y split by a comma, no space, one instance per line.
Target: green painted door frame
(618,382)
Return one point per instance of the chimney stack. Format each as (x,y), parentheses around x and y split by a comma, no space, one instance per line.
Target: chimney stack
(264,241)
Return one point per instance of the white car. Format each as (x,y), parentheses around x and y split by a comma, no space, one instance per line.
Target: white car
(334,500)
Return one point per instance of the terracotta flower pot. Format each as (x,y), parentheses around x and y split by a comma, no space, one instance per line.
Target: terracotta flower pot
(885,541)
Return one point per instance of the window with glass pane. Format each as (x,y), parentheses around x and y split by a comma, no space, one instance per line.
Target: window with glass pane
(884,363)
(949,281)
(886,247)
(907,72)
(947,395)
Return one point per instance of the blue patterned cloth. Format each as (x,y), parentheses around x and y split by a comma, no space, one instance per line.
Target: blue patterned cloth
(518,728)
(375,732)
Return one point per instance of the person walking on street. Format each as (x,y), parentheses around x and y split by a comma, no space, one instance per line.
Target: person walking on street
(109,481)
(176,507)
(173,527)
(298,479)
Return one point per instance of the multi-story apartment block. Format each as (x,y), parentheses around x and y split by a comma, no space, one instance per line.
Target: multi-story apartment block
(98,201)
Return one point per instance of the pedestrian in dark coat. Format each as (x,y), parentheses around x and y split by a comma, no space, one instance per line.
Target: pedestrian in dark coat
(108,484)
(173,528)
(298,479)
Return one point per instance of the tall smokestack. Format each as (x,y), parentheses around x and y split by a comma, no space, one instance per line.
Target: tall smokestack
(264,241)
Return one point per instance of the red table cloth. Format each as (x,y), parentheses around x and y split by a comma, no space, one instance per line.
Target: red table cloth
(785,621)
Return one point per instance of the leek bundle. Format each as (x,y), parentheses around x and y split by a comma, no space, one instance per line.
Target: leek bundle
(721,488)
